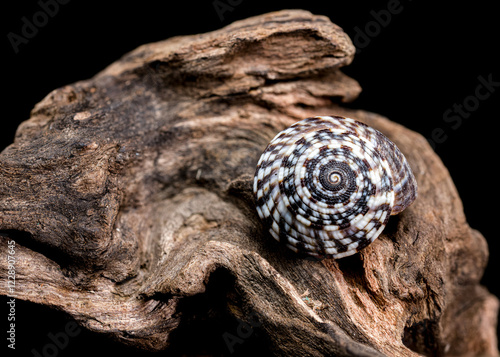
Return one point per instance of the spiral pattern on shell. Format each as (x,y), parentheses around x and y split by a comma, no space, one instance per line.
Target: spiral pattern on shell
(326,186)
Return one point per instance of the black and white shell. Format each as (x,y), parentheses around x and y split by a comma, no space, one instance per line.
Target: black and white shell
(326,186)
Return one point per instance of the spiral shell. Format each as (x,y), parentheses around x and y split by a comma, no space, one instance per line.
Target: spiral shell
(326,186)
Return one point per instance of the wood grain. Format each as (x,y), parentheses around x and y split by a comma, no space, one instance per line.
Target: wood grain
(129,198)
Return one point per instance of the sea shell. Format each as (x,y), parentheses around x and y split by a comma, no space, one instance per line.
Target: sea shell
(326,186)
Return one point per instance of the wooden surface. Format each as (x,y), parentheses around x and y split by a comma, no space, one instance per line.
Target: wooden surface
(129,198)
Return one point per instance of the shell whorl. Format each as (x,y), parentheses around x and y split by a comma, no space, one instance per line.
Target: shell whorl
(326,186)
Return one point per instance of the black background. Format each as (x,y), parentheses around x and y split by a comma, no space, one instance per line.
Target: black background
(424,61)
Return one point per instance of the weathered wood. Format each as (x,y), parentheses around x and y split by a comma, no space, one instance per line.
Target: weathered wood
(129,198)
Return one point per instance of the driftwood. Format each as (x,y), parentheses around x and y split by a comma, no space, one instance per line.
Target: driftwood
(129,198)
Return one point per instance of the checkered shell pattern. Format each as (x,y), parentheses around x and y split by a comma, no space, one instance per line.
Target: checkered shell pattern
(326,186)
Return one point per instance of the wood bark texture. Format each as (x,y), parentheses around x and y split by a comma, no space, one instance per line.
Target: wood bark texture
(129,197)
